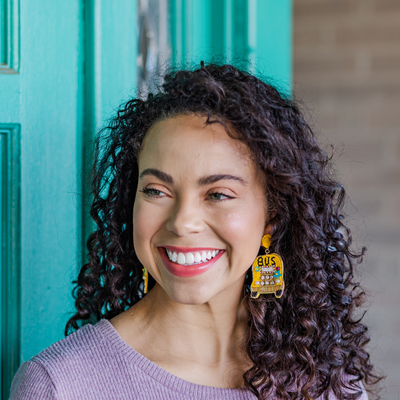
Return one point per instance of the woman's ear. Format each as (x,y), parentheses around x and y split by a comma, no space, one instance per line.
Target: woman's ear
(269,228)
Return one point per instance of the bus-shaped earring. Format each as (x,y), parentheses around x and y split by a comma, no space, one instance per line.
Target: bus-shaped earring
(267,273)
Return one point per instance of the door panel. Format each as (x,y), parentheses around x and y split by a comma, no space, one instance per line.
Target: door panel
(51,135)
(10,251)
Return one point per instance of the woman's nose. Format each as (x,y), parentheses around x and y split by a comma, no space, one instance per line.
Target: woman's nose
(185,218)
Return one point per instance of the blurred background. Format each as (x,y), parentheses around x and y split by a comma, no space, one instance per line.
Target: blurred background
(346,70)
(66,66)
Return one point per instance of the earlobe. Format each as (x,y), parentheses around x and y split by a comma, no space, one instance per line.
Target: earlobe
(269,229)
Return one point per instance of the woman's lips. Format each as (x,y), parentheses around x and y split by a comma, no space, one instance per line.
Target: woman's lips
(187,271)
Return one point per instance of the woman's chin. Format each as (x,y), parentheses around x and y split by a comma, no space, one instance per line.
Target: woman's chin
(189,294)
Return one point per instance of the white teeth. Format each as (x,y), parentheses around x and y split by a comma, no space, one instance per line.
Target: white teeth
(191,258)
(181,259)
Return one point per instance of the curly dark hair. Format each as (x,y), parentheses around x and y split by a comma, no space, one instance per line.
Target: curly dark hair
(309,342)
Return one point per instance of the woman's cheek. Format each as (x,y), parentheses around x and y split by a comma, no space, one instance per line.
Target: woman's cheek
(142,227)
(243,230)
(148,220)
(242,225)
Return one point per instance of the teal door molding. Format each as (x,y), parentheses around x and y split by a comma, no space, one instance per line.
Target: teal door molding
(10,253)
(9,36)
(109,43)
(254,34)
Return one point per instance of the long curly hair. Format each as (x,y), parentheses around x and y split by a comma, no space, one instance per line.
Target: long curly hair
(308,343)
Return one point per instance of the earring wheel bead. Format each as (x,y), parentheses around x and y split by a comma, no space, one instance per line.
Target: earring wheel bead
(266,241)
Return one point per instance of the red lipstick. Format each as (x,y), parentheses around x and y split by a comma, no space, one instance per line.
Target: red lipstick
(187,271)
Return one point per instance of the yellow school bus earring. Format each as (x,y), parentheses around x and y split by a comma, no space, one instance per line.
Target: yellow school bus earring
(145,279)
(267,273)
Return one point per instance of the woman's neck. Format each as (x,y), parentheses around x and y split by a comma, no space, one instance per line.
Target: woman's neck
(204,344)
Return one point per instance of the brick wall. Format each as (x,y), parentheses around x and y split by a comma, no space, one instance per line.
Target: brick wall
(347,73)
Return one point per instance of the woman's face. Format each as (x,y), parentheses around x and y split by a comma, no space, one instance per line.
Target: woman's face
(198,197)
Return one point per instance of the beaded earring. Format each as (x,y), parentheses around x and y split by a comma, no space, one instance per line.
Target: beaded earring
(267,273)
(145,280)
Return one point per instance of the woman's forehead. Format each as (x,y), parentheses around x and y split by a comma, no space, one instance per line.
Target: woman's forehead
(187,142)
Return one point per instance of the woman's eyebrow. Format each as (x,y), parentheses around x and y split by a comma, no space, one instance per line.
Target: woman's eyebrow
(158,174)
(205,180)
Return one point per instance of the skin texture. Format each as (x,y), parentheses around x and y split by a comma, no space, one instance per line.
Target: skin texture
(194,327)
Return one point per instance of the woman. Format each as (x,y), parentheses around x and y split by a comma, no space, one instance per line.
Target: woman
(188,185)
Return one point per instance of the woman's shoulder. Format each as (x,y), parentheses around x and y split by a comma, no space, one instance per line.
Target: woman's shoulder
(78,354)
(88,340)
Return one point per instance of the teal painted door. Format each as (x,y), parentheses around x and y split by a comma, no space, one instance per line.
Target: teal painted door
(64,68)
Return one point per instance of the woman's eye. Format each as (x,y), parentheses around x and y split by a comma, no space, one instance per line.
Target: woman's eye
(152,192)
(219,196)
(149,192)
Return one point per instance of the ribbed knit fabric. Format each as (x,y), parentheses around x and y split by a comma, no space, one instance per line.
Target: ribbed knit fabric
(96,363)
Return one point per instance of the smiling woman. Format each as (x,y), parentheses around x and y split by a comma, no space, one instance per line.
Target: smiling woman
(191,187)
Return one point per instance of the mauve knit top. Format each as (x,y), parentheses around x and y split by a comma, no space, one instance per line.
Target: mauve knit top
(96,363)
